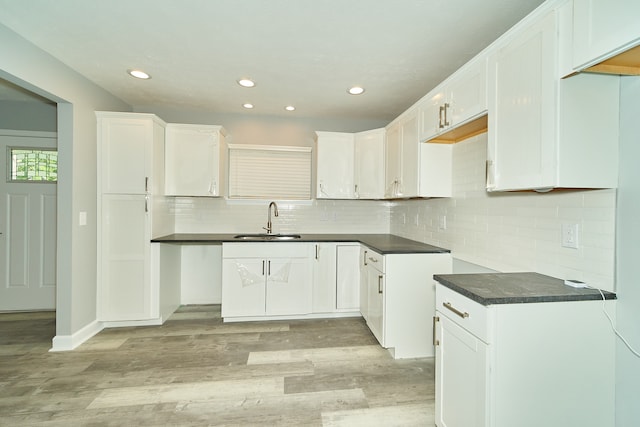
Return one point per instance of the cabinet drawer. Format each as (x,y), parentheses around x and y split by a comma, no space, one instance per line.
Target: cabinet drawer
(374,259)
(463,311)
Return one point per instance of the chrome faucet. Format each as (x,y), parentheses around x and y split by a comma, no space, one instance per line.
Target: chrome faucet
(269,227)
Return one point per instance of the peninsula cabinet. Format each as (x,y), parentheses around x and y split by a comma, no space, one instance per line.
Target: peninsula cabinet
(523,364)
(459,99)
(603,28)
(130,181)
(545,132)
(266,279)
(193,160)
(397,299)
(335,172)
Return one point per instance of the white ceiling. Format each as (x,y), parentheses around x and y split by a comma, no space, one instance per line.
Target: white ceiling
(300,52)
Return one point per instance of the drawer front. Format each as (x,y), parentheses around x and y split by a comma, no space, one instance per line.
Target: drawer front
(463,311)
(266,250)
(375,260)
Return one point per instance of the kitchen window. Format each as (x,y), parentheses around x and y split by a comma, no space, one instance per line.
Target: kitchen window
(269,172)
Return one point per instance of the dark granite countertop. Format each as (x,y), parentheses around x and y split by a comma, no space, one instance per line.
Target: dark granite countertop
(516,288)
(383,243)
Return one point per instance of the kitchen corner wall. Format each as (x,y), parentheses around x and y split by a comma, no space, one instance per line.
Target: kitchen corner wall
(516,231)
(205,215)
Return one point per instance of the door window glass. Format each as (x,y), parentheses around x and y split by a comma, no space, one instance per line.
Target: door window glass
(33,165)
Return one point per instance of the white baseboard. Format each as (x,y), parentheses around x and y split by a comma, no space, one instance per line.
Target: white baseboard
(293,317)
(70,342)
(126,323)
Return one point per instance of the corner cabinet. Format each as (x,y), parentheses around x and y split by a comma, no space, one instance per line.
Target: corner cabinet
(336,278)
(402,157)
(130,171)
(266,279)
(397,294)
(193,160)
(369,164)
(544,132)
(335,173)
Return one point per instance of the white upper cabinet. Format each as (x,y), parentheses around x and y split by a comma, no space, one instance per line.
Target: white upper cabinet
(131,153)
(603,28)
(369,164)
(458,100)
(545,132)
(402,157)
(335,173)
(193,166)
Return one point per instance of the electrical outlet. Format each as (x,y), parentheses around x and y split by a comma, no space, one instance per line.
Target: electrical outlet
(442,222)
(569,237)
(404,219)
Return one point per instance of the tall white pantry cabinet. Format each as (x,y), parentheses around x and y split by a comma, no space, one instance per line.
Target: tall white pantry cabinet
(130,177)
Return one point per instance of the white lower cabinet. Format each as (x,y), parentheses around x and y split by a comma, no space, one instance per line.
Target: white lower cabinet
(336,277)
(266,279)
(526,365)
(397,294)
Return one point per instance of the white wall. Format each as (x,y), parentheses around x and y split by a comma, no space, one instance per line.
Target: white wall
(514,231)
(28,115)
(24,64)
(628,256)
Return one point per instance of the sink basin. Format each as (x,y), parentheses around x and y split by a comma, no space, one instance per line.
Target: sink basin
(267,236)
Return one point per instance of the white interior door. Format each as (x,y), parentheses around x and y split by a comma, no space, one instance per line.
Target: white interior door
(28,229)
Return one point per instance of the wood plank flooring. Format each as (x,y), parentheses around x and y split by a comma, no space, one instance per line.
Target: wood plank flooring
(197,371)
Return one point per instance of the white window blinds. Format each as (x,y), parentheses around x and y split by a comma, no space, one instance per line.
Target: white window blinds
(269,172)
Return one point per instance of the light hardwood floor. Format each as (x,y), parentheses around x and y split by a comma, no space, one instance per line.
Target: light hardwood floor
(196,370)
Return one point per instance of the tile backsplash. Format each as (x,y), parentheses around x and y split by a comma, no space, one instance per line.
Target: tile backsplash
(204,215)
(515,231)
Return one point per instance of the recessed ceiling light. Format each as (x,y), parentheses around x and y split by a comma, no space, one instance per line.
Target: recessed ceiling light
(139,74)
(247,106)
(356,90)
(246,83)
(290,108)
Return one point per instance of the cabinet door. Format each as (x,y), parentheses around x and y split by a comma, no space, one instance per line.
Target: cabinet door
(410,157)
(324,278)
(369,164)
(288,286)
(364,283)
(393,159)
(467,93)
(192,161)
(602,28)
(243,287)
(335,174)
(125,281)
(461,376)
(375,319)
(348,277)
(522,110)
(431,114)
(126,157)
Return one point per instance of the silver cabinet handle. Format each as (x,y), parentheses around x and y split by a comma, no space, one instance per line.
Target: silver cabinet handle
(146,203)
(436,342)
(446,120)
(372,259)
(448,305)
(440,111)
(146,184)
(269,268)
(317,251)
(380,283)
(263,267)
(365,258)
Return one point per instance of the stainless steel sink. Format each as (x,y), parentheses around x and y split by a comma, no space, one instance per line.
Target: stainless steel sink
(263,236)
